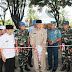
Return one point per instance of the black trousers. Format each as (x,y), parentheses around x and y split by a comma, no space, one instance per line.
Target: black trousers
(9,65)
(1,64)
(30,57)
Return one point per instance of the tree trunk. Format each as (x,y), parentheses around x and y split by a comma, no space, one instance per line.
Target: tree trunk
(57,20)
(16,21)
(17,11)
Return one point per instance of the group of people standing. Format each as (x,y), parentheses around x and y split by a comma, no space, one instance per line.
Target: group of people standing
(34,37)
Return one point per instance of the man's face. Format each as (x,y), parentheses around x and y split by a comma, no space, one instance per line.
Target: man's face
(53,26)
(22,27)
(38,25)
(35,26)
(3,31)
(0,32)
(9,31)
(65,26)
(49,26)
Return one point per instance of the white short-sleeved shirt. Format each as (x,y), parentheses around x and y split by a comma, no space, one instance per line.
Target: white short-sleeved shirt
(7,41)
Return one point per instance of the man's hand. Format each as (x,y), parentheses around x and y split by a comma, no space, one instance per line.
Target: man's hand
(71,50)
(33,46)
(29,48)
(49,42)
(17,51)
(52,42)
(3,58)
(43,46)
(60,48)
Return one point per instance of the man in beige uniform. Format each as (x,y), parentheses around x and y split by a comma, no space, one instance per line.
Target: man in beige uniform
(38,36)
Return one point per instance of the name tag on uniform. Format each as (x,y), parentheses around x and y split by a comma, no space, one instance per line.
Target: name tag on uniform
(34,33)
(7,41)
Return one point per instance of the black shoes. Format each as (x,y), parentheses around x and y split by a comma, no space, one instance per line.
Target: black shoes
(21,69)
(68,68)
(30,65)
(26,68)
(49,68)
(63,68)
(53,70)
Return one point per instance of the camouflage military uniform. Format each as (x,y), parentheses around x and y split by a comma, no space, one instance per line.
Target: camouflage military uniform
(67,40)
(21,37)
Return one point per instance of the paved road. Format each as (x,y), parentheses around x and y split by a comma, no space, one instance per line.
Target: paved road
(58,70)
(32,69)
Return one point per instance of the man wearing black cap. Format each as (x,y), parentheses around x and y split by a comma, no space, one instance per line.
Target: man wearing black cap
(38,37)
(67,40)
(8,55)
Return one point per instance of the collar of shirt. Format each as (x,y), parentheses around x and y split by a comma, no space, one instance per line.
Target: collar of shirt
(67,29)
(48,29)
(54,29)
(38,30)
(8,34)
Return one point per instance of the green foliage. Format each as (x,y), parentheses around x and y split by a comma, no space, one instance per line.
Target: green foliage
(5,23)
(16,8)
(8,22)
(53,5)
(31,16)
(63,15)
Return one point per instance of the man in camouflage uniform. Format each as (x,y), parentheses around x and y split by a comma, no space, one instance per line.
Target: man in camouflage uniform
(67,40)
(21,38)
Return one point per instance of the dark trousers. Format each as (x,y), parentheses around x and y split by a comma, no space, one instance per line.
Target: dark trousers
(9,65)
(53,51)
(30,57)
(1,64)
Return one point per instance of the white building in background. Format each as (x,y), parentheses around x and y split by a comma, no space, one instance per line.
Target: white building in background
(46,17)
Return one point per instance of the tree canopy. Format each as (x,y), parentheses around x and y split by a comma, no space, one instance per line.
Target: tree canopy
(16,8)
(53,5)
(31,16)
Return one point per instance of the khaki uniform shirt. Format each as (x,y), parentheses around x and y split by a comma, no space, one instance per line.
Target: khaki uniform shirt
(38,37)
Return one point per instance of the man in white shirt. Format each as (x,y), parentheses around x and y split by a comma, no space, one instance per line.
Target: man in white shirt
(2,31)
(8,55)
